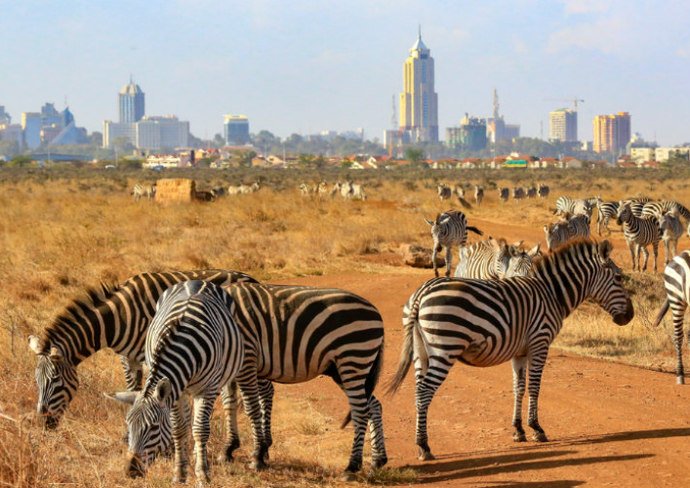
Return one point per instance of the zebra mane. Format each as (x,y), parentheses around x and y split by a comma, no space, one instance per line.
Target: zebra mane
(540,261)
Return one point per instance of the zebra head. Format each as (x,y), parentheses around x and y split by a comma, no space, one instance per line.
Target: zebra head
(56,379)
(520,261)
(148,425)
(624,212)
(607,285)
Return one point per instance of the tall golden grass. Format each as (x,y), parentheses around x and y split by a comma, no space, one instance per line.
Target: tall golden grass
(60,234)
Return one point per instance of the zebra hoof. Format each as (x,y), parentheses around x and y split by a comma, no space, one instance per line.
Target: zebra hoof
(680,380)
(519,437)
(540,437)
(348,476)
(379,462)
(258,465)
(426,456)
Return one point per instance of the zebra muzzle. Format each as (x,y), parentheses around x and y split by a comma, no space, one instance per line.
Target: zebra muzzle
(135,467)
(625,317)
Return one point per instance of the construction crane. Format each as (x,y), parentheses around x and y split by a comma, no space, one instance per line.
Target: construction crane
(574,100)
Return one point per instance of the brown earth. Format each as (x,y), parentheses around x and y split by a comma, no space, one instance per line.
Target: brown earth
(608,424)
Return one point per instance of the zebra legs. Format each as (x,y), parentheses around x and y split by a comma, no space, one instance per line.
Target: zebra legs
(426,385)
(678,311)
(230,400)
(180,426)
(536,369)
(359,410)
(378,446)
(266,391)
(449,258)
(633,252)
(655,248)
(434,253)
(203,407)
(252,406)
(519,367)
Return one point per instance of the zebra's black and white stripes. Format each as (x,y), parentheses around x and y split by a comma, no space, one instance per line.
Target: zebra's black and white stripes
(658,208)
(447,230)
(605,212)
(671,230)
(677,285)
(140,190)
(193,349)
(566,230)
(639,233)
(485,323)
(495,259)
(115,317)
(575,206)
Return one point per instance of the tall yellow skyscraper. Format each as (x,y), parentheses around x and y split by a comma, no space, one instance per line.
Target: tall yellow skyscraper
(611,133)
(418,100)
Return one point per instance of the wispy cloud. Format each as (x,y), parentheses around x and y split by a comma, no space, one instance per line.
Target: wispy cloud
(606,35)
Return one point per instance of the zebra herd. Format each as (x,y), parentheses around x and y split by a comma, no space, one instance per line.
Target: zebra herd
(348,190)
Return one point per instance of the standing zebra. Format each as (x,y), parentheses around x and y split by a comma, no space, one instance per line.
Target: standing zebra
(543,191)
(657,209)
(193,349)
(115,317)
(566,230)
(605,211)
(677,284)
(293,334)
(518,193)
(639,233)
(449,229)
(671,230)
(495,259)
(444,192)
(575,206)
(478,194)
(486,323)
(139,191)
(532,192)
(504,194)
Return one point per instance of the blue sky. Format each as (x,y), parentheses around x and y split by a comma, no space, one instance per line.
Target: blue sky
(307,66)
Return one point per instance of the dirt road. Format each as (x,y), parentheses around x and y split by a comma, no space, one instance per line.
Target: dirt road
(608,424)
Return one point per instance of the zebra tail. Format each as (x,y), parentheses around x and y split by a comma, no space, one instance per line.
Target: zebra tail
(475,230)
(369,383)
(662,312)
(406,352)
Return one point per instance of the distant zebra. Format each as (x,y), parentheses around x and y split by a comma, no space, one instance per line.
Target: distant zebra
(671,230)
(459,191)
(543,191)
(605,212)
(193,349)
(532,192)
(294,334)
(504,194)
(639,233)
(566,230)
(677,284)
(304,189)
(637,204)
(478,194)
(246,189)
(518,193)
(115,317)
(495,259)
(488,322)
(443,192)
(139,191)
(448,230)
(656,209)
(321,189)
(575,206)
(204,195)
(357,192)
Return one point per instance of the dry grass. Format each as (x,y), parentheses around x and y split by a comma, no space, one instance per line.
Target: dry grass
(62,234)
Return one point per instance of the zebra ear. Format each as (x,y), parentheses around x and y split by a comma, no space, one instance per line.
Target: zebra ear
(55,353)
(429,221)
(36,344)
(535,251)
(126,397)
(163,390)
(517,244)
(605,249)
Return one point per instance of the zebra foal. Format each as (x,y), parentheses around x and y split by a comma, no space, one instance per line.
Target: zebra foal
(488,322)
(639,233)
(193,349)
(447,230)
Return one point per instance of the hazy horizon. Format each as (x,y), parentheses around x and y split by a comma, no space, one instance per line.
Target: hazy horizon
(305,66)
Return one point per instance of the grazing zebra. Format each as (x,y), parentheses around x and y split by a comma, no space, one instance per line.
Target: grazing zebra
(219,191)
(671,230)
(657,209)
(504,194)
(443,191)
(459,192)
(115,317)
(639,233)
(518,193)
(293,334)
(193,349)
(488,322)
(495,259)
(246,189)
(305,190)
(531,192)
(582,206)
(605,211)
(566,230)
(357,192)
(204,196)
(478,194)
(321,189)
(139,191)
(448,230)
(677,284)
(543,191)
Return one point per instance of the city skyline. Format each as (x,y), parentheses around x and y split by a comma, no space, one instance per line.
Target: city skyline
(308,67)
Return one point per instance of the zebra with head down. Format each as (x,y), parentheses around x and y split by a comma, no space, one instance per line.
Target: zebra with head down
(495,259)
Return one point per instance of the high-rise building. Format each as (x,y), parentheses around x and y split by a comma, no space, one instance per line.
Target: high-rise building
(418,100)
(4,116)
(32,123)
(563,125)
(496,128)
(611,133)
(131,103)
(470,136)
(236,129)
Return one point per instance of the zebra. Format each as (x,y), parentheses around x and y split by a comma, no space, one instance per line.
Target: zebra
(321,189)
(449,229)
(293,334)
(639,233)
(488,322)
(518,193)
(357,192)
(637,204)
(305,190)
(605,211)
(478,194)
(246,189)
(139,191)
(459,191)
(219,191)
(543,191)
(115,317)
(566,230)
(671,230)
(504,194)
(582,206)
(656,209)
(677,284)
(193,349)
(532,192)
(495,259)
(204,195)
(444,192)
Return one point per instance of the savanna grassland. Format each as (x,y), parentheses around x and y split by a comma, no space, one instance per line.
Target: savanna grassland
(63,230)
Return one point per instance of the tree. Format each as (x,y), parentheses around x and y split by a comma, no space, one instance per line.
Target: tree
(123,145)
(21,161)
(218,141)
(414,155)
(246,158)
